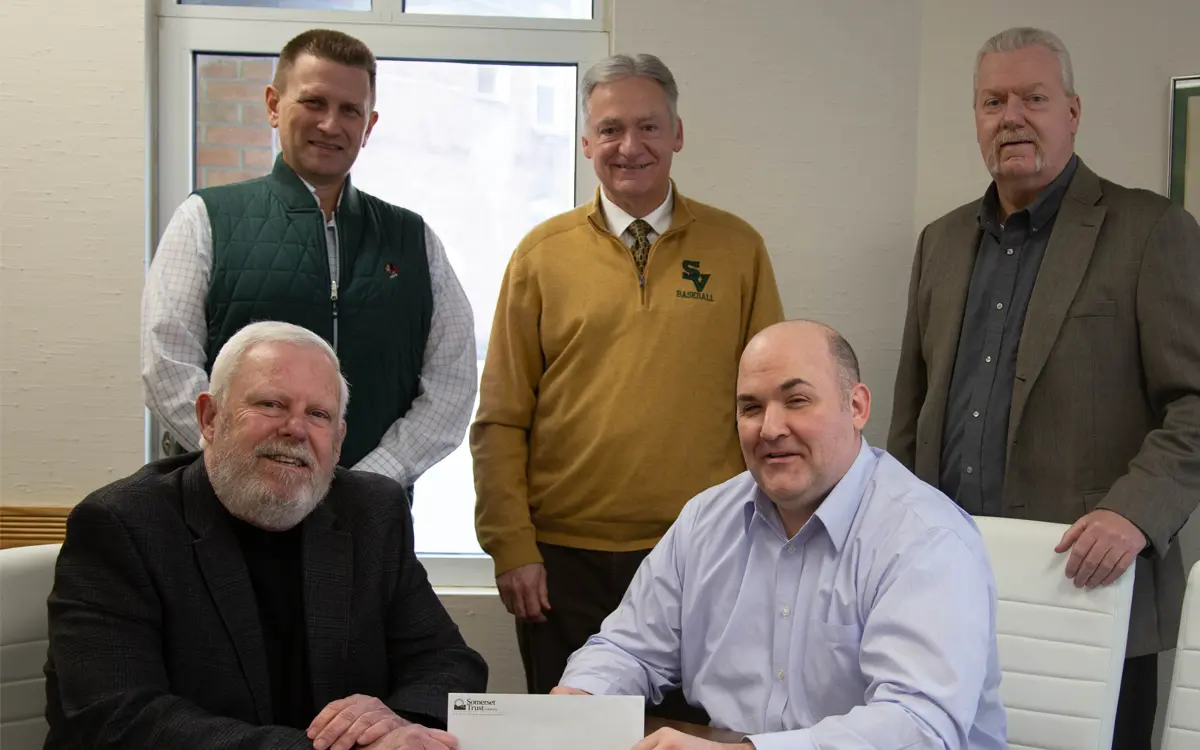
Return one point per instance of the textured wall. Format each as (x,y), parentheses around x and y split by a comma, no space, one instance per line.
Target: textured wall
(72,228)
(801,117)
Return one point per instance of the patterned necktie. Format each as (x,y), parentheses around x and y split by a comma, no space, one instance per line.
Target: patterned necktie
(641,244)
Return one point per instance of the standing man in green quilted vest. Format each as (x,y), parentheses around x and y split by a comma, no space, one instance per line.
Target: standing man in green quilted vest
(304,246)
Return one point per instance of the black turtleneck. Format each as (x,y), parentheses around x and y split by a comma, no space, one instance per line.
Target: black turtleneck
(276,573)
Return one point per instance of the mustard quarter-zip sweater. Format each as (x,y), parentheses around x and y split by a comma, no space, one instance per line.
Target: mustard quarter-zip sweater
(606,403)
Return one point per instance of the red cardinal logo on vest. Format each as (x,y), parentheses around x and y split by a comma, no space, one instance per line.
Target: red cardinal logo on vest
(391,271)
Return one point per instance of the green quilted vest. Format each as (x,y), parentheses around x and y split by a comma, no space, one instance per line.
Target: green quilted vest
(270,262)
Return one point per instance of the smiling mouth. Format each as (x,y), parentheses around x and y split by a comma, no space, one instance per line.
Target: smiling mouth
(632,167)
(779,456)
(292,461)
(325,146)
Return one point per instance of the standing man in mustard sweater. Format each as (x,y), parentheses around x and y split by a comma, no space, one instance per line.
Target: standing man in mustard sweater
(607,397)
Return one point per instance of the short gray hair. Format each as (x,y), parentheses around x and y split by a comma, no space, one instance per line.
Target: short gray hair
(620,67)
(1020,37)
(229,359)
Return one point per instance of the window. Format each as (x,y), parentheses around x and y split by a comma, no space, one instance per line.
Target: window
(288,4)
(518,8)
(455,142)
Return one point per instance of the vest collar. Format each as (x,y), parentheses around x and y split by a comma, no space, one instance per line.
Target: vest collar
(288,186)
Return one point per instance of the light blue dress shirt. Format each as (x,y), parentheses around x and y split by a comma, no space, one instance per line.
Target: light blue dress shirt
(873,627)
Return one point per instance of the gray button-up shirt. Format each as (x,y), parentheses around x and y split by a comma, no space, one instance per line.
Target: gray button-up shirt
(975,433)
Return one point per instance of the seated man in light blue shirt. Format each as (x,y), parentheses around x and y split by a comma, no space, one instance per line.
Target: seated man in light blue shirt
(826,598)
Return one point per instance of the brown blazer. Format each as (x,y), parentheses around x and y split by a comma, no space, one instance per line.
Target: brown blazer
(1106,402)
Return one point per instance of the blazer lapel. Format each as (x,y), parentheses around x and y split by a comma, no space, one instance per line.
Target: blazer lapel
(1068,253)
(328,586)
(949,279)
(228,581)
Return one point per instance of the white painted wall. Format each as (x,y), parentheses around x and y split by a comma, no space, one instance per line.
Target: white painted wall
(72,244)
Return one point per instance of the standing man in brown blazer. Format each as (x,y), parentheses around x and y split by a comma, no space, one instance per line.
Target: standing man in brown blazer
(1050,366)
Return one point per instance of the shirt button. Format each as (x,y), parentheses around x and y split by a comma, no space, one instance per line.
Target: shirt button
(970,470)
(779,674)
(975,414)
(787,611)
(791,549)
(999,305)
(988,358)
(1009,251)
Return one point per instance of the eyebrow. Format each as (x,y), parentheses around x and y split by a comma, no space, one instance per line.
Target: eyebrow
(793,383)
(1019,89)
(787,385)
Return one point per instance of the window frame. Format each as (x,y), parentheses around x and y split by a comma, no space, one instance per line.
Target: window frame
(185,31)
(385,12)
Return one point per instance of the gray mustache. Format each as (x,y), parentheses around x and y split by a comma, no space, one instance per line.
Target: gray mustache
(284,449)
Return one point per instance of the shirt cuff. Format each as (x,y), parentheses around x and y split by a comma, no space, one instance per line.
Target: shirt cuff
(590,685)
(799,739)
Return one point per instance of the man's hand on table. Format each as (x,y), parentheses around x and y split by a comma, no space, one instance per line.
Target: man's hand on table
(671,739)
(354,721)
(415,737)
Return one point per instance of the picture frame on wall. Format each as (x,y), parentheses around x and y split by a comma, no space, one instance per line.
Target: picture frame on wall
(1184,168)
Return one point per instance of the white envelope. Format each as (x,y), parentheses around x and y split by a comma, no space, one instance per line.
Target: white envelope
(490,721)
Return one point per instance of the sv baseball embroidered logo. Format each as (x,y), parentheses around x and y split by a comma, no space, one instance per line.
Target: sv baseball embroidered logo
(691,272)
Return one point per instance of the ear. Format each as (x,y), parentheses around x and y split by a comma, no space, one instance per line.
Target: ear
(860,405)
(273,96)
(678,135)
(586,143)
(337,441)
(1076,107)
(374,118)
(206,416)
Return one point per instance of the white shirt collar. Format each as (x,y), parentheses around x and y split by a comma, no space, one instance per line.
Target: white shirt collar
(618,221)
(317,198)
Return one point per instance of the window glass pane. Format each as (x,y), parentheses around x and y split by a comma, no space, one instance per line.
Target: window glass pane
(233,139)
(482,152)
(465,149)
(288,4)
(573,9)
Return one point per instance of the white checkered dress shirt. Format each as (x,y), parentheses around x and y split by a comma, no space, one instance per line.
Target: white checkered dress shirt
(174,331)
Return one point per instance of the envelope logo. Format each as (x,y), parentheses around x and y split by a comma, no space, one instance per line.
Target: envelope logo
(476,705)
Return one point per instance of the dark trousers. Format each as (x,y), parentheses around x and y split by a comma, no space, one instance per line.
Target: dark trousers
(1136,704)
(584,587)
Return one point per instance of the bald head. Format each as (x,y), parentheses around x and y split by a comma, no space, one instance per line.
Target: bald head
(800,414)
(808,336)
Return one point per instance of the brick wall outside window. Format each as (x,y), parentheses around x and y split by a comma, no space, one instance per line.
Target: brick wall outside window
(233,140)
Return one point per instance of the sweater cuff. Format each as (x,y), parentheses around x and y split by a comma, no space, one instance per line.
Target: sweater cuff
(517,550)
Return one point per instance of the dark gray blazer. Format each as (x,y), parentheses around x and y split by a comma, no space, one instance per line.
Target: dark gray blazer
(155,639)
(1106,404)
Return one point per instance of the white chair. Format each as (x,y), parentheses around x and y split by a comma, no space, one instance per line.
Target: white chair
(1062,649)
(26,575)
(1182,730)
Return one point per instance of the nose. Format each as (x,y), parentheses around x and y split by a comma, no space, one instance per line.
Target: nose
(329,121)
(1014,111)
(774,426)
(294,427)
(631,142)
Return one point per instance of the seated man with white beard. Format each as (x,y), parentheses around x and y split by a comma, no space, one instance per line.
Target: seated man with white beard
(252,595)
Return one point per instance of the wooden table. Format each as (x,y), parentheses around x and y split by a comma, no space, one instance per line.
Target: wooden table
(696,730)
